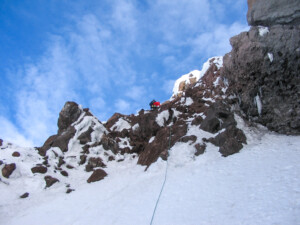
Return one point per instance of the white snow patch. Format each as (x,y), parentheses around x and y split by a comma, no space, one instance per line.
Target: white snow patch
(258,185)
(263,30)
(216,82)
(121,125)
(151,139)
(258,104)
(188,101)
(162,117)
(208,99)
(135,127)
(270,55)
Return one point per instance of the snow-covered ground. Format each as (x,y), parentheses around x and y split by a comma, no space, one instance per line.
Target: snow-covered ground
(259,185)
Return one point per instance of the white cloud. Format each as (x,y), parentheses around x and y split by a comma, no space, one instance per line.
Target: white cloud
(123,17)
(136,93)
(168,86)
(123,106)
(177,19)
(10,133)
(99,55)
(216,42)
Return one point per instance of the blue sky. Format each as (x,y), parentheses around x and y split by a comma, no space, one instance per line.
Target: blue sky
(109,55)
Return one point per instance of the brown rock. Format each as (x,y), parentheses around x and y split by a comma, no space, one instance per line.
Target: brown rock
(85,137)
(218,116)
(82,159)
(230,141)
(111,158)
(64,173)
(1,142)
(186,139)
(25,195)
(61,161)
(62,140)
(109,144)
(200,148)
(68,115)
(272,12)
(97,175)
(16,154)
(267,83)
(47,145)
(50,181)
(69,190)
(8,169)
(160,145)
(93,163)
(39,169)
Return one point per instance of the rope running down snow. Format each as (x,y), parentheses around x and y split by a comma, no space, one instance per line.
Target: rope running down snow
(162,188)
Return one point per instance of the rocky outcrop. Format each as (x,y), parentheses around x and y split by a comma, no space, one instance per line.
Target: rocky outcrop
(8,169)
(50,181)
(39,169)
(16,154)
(263,69)
(68,115)
(1,142)
(97,175)
(271,12)
(230,141)
(25,195)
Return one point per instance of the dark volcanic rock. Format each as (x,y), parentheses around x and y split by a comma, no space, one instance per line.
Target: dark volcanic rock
(263,72)
(186,139)
(159,147)
(50,181)
(97,175)
(85,137)
(109,144)
(62,140)
(39,169)
(8,169)
(200,148)
(68,115)
(47,145)
(25,195)
(270,12)
(69,190)
(230,141)
(16,154)
(93,163)
(64,173)
(218,116)
(82,159)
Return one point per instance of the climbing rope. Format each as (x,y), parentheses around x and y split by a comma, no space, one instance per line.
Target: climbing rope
(163,185)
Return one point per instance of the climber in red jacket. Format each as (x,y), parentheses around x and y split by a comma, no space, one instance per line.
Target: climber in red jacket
(154,104)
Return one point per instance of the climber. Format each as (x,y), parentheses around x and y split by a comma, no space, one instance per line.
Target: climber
(154,104)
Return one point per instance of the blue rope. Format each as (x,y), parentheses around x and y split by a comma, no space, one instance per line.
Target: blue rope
(162,188)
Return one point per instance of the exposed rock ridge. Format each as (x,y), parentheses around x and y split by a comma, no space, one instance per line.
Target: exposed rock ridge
(272,12)
(263,67)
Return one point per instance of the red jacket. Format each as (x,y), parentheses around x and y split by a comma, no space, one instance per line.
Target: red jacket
(157,104)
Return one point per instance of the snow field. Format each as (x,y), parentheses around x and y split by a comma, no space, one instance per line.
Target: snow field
(259,185)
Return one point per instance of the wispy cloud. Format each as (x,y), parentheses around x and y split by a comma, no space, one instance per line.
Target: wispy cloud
(117,56)
(9,132)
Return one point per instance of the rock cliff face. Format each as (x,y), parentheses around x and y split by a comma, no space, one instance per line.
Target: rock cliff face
(271,12)
(263,67)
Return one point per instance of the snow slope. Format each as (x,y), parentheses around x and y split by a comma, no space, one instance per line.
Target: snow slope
(259,185)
